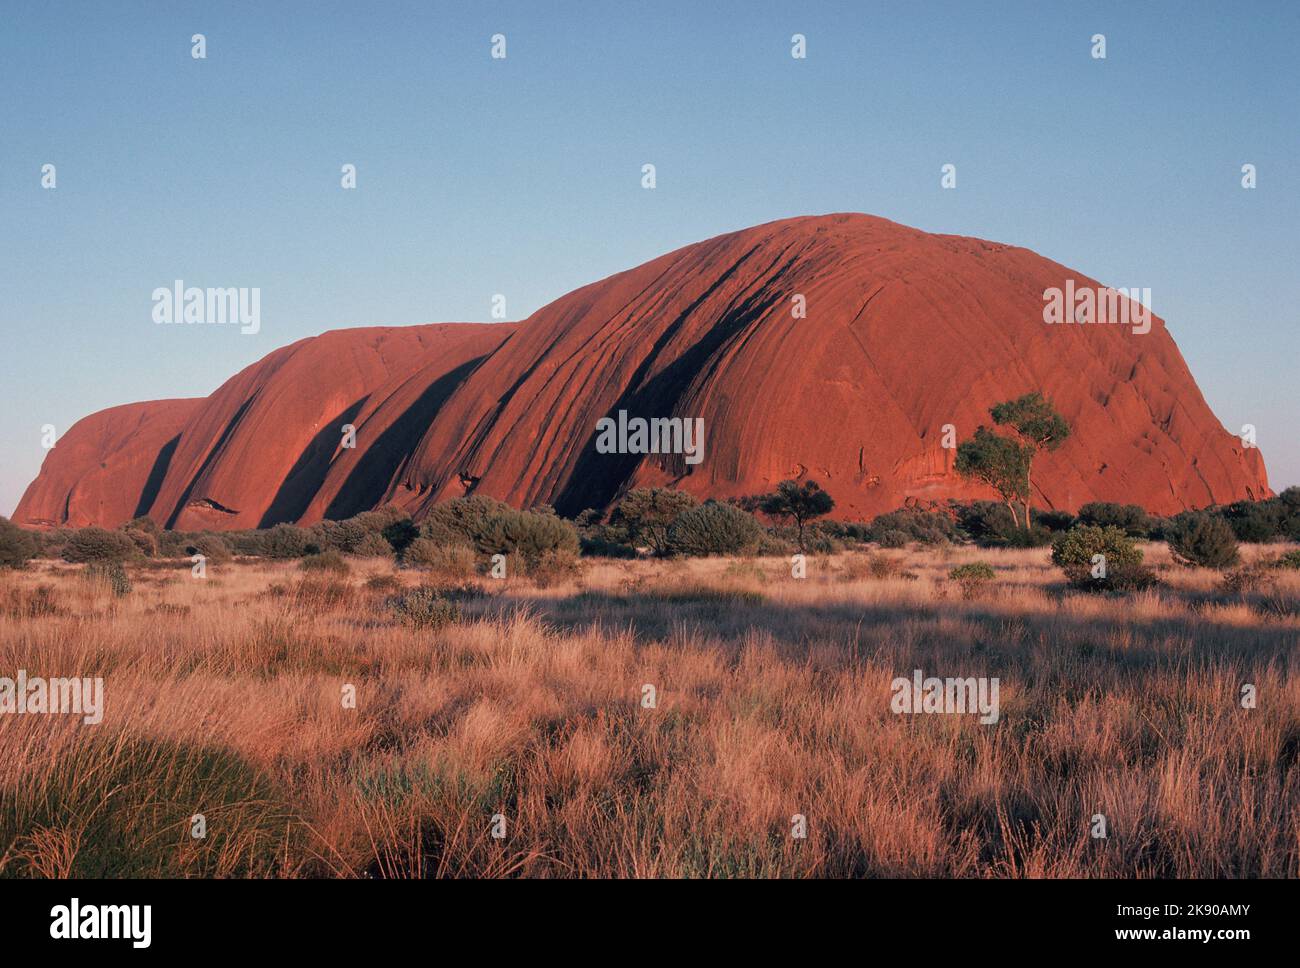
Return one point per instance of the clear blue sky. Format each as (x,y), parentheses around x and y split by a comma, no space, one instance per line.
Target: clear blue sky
(522,176)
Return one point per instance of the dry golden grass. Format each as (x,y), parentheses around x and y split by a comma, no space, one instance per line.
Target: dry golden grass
(223,698)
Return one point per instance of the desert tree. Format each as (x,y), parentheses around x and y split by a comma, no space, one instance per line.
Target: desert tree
(800,503)
(1035,421)
(648,514)
(998,462)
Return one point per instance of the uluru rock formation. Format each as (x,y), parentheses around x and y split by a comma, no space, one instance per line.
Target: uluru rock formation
(905,332)
(108,467)
(260,449)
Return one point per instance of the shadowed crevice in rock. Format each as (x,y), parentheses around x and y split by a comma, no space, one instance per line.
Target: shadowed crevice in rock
(308,472)
(382,461)
(597,478)
(208,461)
(156,474)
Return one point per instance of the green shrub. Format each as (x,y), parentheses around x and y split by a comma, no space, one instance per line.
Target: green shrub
(1055,521)
(172,544)
(337,535)
(773,545)
(992,525)
(1290,501)
(456,561)
(382,519)
(846,531)
(330,561)
(287,541)
(461,521)
(1200,538)
(890,538)
(245,542)
(50,544)
(599,543)
(819,543)
(799,502)
(146,524)
(110,573)
(17,546)
(211,546)
(146,543)
(601,539)
(647,514)
(1129,518)
(372,546)
(363,535)
(400,533)
(972,577)
(927,527)
(1036,536)
(528,534)
(1289,560)
(424,608)
(715,529)
(1257,521)
(493,527)
(1120,566)
(98,544)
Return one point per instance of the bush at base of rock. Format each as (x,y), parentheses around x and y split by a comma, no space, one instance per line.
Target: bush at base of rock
(493,527)
(715,529)
(926,527)
(326,561)
(1202,539)
(98,544)
(1099,559)
(146,543)
(454,561)
(992,525)
(17,547)
(1129,518)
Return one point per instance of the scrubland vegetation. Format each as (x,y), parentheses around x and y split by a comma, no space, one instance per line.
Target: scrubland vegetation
(518,704)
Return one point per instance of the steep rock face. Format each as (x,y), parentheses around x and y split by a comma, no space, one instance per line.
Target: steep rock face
(905,332)
(260,448)
(395,416)
(267,446)
(107,467)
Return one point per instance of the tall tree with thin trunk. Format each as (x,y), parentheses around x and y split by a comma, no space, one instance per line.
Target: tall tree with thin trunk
(998,462)
(1038,426)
